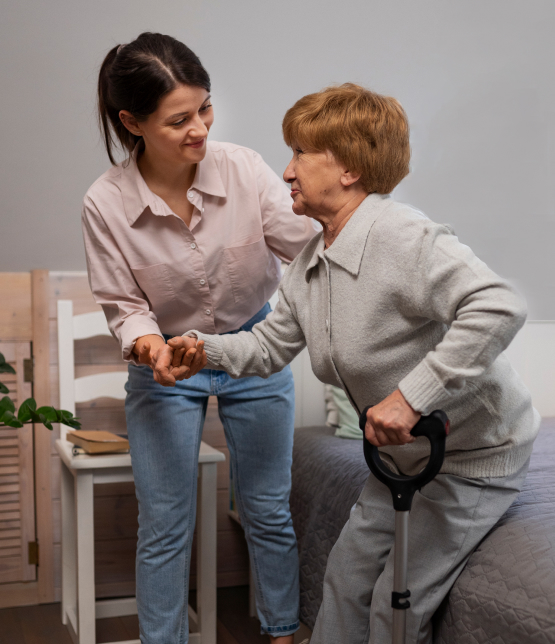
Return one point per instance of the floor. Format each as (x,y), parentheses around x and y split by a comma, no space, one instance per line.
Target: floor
(42,624)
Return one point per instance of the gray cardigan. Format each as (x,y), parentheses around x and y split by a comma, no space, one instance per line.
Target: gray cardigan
(398,302)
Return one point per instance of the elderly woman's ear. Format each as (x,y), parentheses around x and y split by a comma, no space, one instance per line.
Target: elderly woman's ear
(348,178)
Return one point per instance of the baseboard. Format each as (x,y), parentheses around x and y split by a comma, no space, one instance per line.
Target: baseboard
(19,594)
(532,354)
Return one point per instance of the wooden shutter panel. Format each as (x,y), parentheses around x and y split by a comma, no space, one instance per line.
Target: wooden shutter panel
(17,499)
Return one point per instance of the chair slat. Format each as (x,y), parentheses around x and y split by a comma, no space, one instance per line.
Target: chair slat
(101,385)
(88,325)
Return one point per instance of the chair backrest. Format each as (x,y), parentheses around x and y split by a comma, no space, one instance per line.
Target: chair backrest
(76,390)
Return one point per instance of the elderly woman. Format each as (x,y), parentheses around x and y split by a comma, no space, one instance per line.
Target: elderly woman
(401,315)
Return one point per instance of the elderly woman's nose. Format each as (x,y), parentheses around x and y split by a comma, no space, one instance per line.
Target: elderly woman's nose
(289,173)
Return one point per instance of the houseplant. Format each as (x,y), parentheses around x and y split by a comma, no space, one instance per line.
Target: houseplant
(28,412)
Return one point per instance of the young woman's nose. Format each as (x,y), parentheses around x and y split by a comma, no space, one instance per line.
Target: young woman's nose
(198,129)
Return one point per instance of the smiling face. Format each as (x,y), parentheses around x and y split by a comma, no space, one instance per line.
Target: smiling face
(318,183)
(177,131)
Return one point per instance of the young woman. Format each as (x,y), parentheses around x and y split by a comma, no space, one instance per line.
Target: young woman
(185,234)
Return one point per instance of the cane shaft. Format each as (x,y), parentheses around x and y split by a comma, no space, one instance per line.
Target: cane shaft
(400,561)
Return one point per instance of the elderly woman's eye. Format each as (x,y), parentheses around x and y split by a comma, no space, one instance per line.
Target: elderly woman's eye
(298,151)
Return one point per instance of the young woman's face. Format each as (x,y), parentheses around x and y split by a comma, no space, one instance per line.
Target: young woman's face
(177,131)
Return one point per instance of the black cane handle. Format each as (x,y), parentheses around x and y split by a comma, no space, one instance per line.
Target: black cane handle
(435,428)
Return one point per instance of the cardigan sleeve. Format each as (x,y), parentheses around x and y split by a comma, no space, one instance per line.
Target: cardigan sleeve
(443,280)
(269,347)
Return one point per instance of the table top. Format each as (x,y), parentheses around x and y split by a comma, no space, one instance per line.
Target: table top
(207,454)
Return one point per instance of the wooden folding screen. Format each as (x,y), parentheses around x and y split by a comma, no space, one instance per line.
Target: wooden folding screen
(17,503)
(22,315)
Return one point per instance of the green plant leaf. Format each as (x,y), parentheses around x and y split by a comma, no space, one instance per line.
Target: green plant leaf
(4,389)
(67,418)
(6,404)
(4,366)
(10,420)
(23,414)
(28,412)
(49,413)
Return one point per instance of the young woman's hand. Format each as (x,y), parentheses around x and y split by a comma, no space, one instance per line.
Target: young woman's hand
(390,422)
(189,357)
(154,352)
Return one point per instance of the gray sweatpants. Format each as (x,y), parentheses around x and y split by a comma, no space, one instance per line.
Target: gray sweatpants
(449,517)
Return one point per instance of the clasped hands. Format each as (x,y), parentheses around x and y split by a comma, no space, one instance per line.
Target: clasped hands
(178,359)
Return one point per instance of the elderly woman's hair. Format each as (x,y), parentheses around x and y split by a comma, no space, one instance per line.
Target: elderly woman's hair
(365,131)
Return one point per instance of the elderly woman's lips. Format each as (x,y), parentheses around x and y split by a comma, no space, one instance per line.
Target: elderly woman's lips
(294,192)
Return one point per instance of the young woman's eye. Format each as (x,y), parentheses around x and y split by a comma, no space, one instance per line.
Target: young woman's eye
(205,107)
(178,123)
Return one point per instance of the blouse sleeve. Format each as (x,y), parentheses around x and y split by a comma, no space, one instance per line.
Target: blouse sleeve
(285,233)
(113,285)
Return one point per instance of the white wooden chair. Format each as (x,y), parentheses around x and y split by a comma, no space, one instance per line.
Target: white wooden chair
(80,608)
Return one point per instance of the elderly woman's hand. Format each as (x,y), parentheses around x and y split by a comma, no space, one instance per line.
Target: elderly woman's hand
(390,422)
(189,357)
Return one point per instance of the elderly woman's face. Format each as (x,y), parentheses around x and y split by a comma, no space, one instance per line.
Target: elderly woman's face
(316,182)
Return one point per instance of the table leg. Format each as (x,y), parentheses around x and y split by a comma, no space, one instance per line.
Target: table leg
(84,500)
(206,552)
(69,573)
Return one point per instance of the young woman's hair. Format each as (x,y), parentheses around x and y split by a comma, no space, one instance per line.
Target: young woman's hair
(367,132)
(134,77)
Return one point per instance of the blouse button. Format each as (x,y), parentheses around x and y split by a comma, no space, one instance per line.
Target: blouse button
(202,282)
(193,246)
(208,311)
(190,194)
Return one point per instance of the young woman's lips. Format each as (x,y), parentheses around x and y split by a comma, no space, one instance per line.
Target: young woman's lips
(198,144)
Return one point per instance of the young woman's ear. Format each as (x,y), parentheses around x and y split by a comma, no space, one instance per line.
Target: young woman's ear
(130,122)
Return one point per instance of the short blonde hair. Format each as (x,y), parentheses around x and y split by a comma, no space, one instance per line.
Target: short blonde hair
(365,131)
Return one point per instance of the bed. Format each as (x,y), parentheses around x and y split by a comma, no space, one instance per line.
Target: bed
(505,594)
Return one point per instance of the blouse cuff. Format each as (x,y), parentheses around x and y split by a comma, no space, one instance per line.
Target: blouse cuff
(133,329)
(422,390)
(212,346)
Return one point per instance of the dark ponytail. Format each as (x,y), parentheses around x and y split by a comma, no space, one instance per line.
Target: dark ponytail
(134,77)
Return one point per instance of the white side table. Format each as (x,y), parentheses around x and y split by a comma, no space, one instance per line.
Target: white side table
(80,609)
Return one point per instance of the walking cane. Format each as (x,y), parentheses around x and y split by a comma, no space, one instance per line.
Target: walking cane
(435,428)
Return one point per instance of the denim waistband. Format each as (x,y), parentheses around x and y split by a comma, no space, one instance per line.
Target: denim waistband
(247,326)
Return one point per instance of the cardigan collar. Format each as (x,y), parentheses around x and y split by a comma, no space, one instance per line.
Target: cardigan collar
(137,196)
(347,250)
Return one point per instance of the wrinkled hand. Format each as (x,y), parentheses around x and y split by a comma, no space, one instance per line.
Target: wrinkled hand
(155,353)
(189,357)
(390,422)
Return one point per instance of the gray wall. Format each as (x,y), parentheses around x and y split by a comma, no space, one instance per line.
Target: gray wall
(476,78)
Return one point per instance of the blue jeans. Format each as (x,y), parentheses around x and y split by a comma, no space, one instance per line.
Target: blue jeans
(165,426)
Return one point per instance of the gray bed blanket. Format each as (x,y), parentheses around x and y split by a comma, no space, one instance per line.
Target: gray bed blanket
(505,594)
